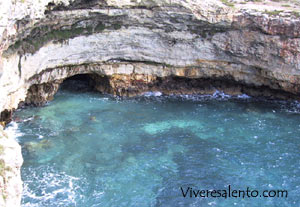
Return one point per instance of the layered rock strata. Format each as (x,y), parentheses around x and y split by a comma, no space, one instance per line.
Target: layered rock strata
(128,47)
(193,39)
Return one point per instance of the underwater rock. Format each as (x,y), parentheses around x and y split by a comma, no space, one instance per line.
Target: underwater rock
(93,118)
(161,127)
(32,147)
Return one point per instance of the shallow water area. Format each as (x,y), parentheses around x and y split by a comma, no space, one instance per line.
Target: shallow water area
(88,150)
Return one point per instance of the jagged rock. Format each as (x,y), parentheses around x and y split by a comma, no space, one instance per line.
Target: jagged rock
(46,42)
(130,47)
(10,175)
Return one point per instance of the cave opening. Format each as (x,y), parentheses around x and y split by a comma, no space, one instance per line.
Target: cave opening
(137,84)
(78,83)
(39,94)
(131,85)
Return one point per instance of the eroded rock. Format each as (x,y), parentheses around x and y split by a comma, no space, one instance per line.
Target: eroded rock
(10,175)
(131,47)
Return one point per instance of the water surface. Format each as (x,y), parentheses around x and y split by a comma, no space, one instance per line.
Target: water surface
(88,150)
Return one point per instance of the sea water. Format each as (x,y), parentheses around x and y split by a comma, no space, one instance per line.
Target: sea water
(88,150)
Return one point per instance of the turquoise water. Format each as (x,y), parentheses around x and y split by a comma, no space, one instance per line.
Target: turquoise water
(88,150)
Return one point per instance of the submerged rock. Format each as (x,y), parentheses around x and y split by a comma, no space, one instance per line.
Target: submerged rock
(93,118)
(162,127)
(32,147)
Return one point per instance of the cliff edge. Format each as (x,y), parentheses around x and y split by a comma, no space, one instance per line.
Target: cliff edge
(128,47)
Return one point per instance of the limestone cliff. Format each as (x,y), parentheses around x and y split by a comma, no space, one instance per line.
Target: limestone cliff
(43,42)
(131,46)
(10,165)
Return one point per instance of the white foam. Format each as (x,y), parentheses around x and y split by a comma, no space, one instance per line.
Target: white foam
(29,119)
(220,94)
(52,185)
(293,107)
(12,130)
(244,96)
(152,93)
(216,95)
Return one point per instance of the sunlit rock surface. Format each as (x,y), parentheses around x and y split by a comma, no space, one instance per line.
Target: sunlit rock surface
(10,165)
(136,46)
(195,39)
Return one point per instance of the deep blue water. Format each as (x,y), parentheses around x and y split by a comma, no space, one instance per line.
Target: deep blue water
(89,150)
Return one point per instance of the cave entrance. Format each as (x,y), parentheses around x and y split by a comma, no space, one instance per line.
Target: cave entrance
(86,83)
(39,94)
(79,83)
(136,84)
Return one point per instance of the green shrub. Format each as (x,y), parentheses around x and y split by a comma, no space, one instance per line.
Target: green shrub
(227,3)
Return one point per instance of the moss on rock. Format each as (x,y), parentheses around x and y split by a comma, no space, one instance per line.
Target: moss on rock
(40,36)
(2,168)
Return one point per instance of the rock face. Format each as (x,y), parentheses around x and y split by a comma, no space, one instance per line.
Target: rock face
(10,166)
(128,47)
(145,42)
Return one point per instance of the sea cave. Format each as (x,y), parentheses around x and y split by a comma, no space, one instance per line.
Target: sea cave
(149,103)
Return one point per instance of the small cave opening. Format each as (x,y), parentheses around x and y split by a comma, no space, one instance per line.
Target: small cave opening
(86,83)
(39,94)
(78,83)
